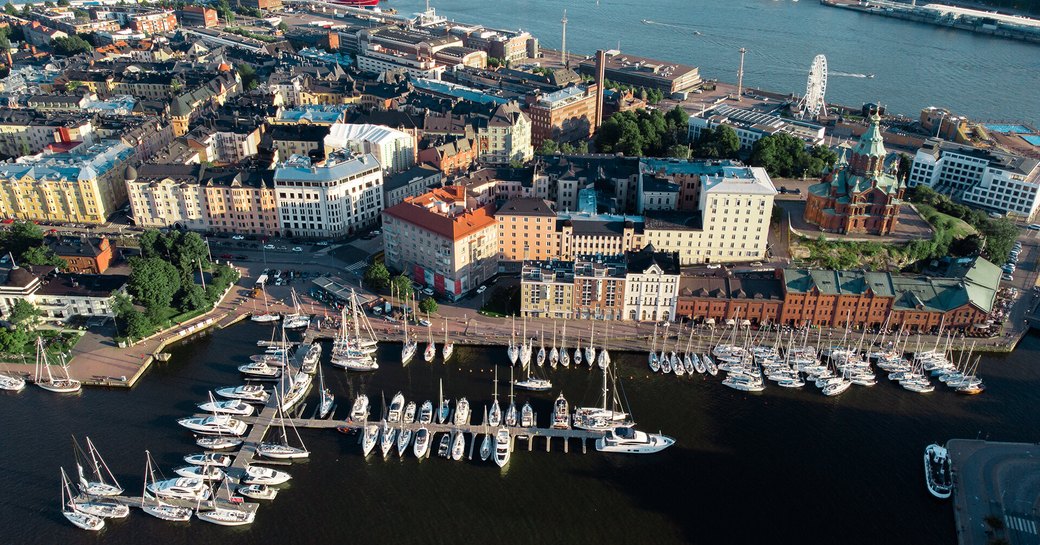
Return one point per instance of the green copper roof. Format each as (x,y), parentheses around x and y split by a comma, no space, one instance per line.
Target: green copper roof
(871,144)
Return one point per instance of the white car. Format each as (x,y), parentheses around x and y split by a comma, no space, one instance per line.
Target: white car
(1034,226)
(238,237)
(323,243)
(268,246)
(424,322)
(297,249)
(481,289)
(428,291)
(714,266)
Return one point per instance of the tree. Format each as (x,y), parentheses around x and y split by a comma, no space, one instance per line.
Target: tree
(10,9)
(71,45)
(377,277)
(248,75)
(494,62)
(786,156)
(719,143)
(20,237)
(42,255)
(13,341)
(567,148)
(640,132)
(64,3)
(149,243)
(582,148)
(153,283)
(24,314)
(402,286)
(548,147)
(283,26)
(193,297)
(1000,237)
(428,305)
(679,151)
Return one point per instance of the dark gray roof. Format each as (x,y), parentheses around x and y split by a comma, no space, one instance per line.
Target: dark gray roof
(418,172)
(526,207)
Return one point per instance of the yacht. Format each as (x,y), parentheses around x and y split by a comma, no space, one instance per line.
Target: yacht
(561,414)
(426,413)
(458,446)
(258,491)
(836,388)
(260,371)
(534,384)
(608,415)
(370,438)
(502,447)
(388,435)
(444,448)
(462,412)
(431,347)
(326,397)
(11,383)
(227,516)
(359,412)
(181,488)
(66,385)
(494,416)
(102,482)
(253,393)
(444,408)
(937,475)
(628,440)
(710,364)
(217,442)
(205,473)
(527,416)
(393,416)
(155,506)
(99,507)
(236,407)
(449,347)
(297,319)
(214,459)
(212,425)
(265,475)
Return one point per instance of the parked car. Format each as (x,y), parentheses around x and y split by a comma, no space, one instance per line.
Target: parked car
(1034,226)
(481,289)
(297,249)
(238,237)
(714,266)
(424,322)
(428,291)
(1007,277)
(323,243)
(268,246)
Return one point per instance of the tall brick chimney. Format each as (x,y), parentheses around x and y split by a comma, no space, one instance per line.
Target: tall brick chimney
(601,61)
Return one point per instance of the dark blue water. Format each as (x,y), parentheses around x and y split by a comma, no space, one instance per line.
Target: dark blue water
(779,467)
(916,65)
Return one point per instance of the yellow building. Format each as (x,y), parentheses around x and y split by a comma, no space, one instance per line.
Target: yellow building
(547,289)
(82,186)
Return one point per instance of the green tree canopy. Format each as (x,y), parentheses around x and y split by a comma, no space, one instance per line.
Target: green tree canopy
(642,132)
(376,276)
(718,143)
(20,237)
(192,297)
(42,255)
(71,45)
(786,156)
(548,147)
(153,282)
(402,287)
(10,9)
(24,314)
(248,75)
(428,305)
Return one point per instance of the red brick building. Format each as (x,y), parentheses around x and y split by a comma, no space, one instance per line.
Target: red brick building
(452,156)
(862,193)
(84,255)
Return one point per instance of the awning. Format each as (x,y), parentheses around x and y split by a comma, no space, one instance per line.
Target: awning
(731,321)
(710,321)
(746,323)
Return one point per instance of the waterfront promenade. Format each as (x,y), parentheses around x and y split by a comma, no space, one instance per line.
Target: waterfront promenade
(996,481)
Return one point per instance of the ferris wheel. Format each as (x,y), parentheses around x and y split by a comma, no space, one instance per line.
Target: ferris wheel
(812,104)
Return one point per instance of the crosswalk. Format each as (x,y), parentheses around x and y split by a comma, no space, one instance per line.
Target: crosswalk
(357,266)
(1020,524)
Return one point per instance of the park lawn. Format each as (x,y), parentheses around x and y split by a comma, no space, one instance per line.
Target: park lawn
(959,228)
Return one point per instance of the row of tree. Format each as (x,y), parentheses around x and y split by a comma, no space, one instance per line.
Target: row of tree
(378,278)
(636,133)
(24,243)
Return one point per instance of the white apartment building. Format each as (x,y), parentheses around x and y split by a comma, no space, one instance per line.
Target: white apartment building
(508,136)
(979,177)
(377,59)
(651,285)
(394,149)
(333,199)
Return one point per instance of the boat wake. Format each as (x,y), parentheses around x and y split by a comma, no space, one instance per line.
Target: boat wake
(851,75)
(677,26)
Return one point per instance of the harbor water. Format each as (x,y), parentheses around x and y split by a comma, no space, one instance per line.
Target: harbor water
(782,466)
(915,65)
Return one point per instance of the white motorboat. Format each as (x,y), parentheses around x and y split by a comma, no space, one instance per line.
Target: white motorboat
(421,446)
(609,414)
(458,446)
(213,425)
(265,475)
(444,448)
(214,459)
(503,445)
(60,385)
(628,440)
(260,371)
(561,414)
(387,436)
(462,412)
(937,474)
(370,438)
(81,520)
(253,393)
(218,442)
(527,416)
(102,481)
(258,492)
(226,516)
(206,473)
(181,488)
(236,407)
(534,384)
(396,410)
(426,412)
(359,412)
(154,506)
(11,383)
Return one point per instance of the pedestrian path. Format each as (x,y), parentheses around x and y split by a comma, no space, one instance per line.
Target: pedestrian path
(357,266)
(1020,524)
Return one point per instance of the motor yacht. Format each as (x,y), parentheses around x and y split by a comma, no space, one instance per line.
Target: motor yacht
(181,488)
(265,475)
(258,492)
(214,425)
(628,440)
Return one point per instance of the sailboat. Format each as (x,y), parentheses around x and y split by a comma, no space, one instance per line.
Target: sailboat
(603,359)
(565,358)
(355,354)
(525,348)
(431,347)
(532,382)
(554,354)
(604,417)
(154,506)
(266,317)
(370,438)
(495,415)
(590,349)
(387,436)
(327,398)
(226,516)
(297,319)
(422,443)
(282,450)
(404,435)
(541,350)
(444,406)
(410,345)
(98,485)
(82,520)
(449,347)
(577,352)
(511,413)
(65,385)
(513,351)
(655,364)
(486,444)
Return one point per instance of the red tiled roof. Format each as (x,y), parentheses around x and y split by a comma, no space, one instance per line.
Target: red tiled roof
(414,210)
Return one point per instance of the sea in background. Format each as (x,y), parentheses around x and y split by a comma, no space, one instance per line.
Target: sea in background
(915,65)
(777,467)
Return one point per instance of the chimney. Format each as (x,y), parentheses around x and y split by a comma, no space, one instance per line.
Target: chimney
(601,61)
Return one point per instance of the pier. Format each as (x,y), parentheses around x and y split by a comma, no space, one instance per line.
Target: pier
(995,482)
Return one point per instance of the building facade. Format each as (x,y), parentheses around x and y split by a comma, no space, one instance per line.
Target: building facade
(84,255)
(438,240)
(567,115)
(651,285)
(336,198)
(507,136)
(862,193)
(394,149)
